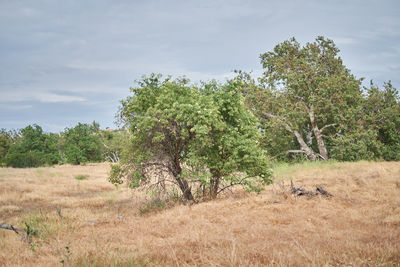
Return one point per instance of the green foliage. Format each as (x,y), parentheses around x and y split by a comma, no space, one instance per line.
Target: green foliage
(261,101)
(82,144)
(189,131)
(374,132)
(81,177)
(6,140)
(382,108)
(354,146)
(33,148)
(115,143)
(308,92)
(164,117)
(232,146)
(117,174)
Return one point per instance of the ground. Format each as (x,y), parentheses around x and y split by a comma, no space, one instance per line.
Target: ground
(101,225)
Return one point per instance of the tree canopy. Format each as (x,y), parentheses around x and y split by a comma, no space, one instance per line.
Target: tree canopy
(309,92)
(33,148)
(81,143)
(203,130)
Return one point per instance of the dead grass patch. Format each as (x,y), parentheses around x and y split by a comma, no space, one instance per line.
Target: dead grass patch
(102,225)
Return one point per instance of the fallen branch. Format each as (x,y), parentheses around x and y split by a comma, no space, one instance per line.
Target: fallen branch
(10,227)
(321,190)
(300,191)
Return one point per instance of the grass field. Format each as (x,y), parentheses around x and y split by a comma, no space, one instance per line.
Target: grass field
(104,226)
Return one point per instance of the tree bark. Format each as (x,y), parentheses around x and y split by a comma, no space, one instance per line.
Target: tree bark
(318,135)
(307,150)
(185,188)
(182,183)
(214,185)
(303,145)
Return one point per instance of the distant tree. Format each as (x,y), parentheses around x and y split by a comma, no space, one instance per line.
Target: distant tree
(382,107)
(310,93)
(201,134)
(6,141)
(82,144)
(115,143)
(33,148)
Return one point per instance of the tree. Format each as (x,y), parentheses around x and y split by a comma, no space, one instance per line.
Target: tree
(194,131)
(82,144)
(33,148)
(382,107)
(163,116)
(232,152)
(114,143)
(309,92)
(6,141)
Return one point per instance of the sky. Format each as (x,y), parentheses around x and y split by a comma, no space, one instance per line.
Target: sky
(70,61)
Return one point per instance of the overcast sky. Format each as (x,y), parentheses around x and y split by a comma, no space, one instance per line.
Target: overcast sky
(64,62)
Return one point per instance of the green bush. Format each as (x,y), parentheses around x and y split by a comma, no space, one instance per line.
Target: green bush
(81,176)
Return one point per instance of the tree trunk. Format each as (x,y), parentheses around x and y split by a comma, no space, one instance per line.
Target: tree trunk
(307,150)
(318,135)
(214,185)
(183,184)
(304,147)
(186,190)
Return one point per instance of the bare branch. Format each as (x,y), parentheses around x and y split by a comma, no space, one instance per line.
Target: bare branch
(10,227)
(309,138)
(233,184)
(295,151)
(327,126)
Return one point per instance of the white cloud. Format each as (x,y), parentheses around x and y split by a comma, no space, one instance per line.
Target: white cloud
(56,98)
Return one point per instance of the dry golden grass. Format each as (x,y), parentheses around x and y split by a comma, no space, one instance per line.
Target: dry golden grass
(359,225)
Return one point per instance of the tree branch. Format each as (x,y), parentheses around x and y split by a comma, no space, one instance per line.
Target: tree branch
(233,184)
(309,138)
(10,227)
(327,126)
(295,151)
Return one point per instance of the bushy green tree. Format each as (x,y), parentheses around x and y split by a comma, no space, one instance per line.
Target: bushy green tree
(206,131)
(164,116)
(310,93)
(232,152)
(382,108)
(33,148)
(82,144)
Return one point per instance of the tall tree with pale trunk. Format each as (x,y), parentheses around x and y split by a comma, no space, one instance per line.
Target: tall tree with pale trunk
(310,93)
